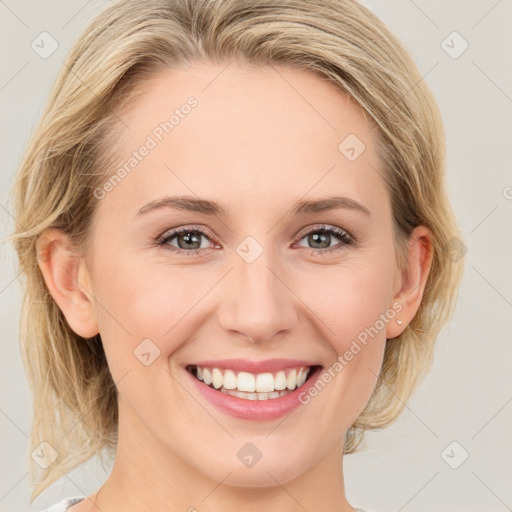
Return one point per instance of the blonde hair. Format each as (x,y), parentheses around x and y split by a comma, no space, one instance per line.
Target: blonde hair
(75,401)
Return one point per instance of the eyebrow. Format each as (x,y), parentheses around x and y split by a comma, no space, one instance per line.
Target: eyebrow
(194,204)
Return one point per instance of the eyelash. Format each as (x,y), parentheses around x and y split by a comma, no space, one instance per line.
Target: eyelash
(343,235)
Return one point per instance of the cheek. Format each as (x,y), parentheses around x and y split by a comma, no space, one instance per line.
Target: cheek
(140,300)
(352,304)
(351,297)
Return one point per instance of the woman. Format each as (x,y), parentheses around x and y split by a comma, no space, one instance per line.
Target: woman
(235,231)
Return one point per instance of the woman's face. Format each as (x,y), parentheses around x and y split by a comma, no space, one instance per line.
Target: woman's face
(257,279)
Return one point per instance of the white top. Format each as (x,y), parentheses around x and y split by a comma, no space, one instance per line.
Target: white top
(63,505)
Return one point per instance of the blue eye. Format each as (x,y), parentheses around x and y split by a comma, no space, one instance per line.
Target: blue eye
(323,234)
(188,240)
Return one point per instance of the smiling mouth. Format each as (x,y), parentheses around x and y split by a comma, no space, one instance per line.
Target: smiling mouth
(251,386)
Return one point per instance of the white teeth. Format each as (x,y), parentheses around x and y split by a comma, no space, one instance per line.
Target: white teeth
(262,386)
(207,376)
(301,378)
(291,380)
(280,381)
(229,379)
(217,379)
(264,382)
(246,382)
(250,396)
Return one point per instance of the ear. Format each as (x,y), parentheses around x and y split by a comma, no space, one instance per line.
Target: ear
(410,283)
(68,281)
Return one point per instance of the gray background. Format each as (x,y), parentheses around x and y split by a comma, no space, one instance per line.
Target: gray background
(466,398)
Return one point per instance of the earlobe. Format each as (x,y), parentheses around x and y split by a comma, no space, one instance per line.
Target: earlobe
(68,281)
(412,280)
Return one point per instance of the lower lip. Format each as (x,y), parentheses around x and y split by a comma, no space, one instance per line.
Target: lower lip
(255,410)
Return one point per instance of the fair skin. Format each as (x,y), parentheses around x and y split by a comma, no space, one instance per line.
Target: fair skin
(255,146)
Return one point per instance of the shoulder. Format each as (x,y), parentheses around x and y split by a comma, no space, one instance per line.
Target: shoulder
(63,505)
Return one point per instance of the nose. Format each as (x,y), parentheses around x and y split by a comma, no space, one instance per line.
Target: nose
(257,302)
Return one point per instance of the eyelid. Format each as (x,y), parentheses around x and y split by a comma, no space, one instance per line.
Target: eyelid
(324,227)
(171,233)
(208,233)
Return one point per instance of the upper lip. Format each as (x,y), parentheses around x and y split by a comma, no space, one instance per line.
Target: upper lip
(245,365)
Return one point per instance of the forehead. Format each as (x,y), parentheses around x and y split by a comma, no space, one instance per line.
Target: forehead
(273,103)
(245,130)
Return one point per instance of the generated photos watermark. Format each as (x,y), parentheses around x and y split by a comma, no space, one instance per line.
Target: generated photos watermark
(156,136)
(356,346)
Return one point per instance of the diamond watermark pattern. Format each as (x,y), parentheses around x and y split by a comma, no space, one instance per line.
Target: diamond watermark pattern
(44,45)
(249,249)
(454,45)
(249,455)
(146,352)
(454,455)
(44,455)
(351,147)
(455,249)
